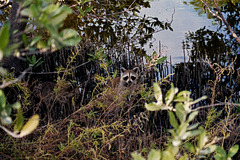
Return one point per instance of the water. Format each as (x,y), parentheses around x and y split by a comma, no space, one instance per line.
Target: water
(185,19)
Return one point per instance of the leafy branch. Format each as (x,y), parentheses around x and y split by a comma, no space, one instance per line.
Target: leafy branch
(181,114)
(41,15)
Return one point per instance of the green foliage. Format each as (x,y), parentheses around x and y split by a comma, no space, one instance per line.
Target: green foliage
(82,11)
(102,58)
(4,39)
(47,15)
(180,118)
(200,5)
(5,112)
(154,59)
(43,15)
(222,155)
(33,62)
(4,36)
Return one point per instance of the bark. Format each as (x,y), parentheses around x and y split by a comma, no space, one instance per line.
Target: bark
(18,24)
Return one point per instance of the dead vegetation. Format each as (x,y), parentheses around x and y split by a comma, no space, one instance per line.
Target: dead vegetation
(109,126)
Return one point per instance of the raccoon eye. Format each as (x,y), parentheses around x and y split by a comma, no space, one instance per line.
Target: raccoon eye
(125,78)
(133,78)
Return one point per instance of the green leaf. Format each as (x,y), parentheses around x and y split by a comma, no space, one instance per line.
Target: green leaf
(195,133)
(233,150)
(52,9)
(1,54)
(25,40)
(208,150)
(161,60)
(154,155)
(202,138)
(4,36)
(8,109)
(137,156)
(89,9)
(166,155)
(19,121)
(183,96)
(41,45)
(193,126)
(60,15)
(2,100)
(152,107)
(180,112)
(34,59)
(192,116)
(183,130)
(173,120)
(38,62)
(70,37)
(35,40)
(29,59)
(27,12)
(155,107)
(34,10)
(31,125)
(170,94)
(221,152)
(26,3)
(158,93)
(190,147)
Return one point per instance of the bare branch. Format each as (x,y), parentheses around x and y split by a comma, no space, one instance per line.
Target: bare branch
(226,23)
(10,133)
(5,84)
(220,16)
(214,105)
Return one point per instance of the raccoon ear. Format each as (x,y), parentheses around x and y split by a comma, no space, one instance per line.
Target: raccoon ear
(135,69)
(122,69)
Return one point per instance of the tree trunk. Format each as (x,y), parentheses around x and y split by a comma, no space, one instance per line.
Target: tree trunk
(18,24)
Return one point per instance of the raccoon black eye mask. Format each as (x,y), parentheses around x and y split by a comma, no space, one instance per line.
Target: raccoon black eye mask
(132,78)
(128,76)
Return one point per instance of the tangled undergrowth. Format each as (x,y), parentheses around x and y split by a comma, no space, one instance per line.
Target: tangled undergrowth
(110,126)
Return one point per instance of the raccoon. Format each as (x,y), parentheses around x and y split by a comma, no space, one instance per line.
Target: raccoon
(127,79)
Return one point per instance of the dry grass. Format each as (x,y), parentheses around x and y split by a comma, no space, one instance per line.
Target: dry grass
(108,127)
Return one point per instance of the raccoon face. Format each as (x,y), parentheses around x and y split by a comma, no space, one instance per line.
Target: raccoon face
(128,77)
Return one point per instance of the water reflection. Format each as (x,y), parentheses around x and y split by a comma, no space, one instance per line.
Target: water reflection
(185,19)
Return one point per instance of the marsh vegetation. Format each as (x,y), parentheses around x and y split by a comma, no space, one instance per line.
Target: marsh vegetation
(57,63)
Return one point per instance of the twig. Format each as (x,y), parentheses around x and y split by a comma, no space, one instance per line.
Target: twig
(217,104)
(220,16)
(11,133)
(226,23)
(5,84)
(55,72)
